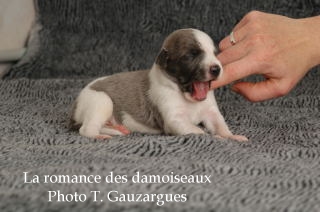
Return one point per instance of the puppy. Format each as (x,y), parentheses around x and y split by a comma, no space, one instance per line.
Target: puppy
(173,97)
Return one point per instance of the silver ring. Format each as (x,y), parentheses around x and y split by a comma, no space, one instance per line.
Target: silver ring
(232,39)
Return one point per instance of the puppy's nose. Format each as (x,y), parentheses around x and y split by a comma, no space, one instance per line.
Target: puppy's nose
(215,70)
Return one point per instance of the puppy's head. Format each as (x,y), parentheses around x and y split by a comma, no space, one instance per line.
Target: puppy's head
(188,57)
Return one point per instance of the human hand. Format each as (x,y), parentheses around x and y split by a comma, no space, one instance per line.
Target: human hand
(279,48)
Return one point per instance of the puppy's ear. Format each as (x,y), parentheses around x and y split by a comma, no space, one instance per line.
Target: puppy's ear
(162,58)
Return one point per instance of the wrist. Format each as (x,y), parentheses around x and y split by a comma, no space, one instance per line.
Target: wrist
(312,26)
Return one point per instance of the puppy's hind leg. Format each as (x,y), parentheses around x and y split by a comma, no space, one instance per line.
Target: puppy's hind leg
(97,111)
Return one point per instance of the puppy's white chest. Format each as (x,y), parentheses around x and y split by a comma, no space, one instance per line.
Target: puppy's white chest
(177,107)
(196,112)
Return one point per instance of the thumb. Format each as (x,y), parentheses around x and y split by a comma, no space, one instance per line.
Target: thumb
(259,91)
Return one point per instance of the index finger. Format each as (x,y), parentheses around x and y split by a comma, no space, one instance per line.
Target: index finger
(234,71)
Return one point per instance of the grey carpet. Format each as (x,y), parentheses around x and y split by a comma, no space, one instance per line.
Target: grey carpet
(277,170)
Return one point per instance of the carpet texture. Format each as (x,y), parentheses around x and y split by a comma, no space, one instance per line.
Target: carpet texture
(277,170)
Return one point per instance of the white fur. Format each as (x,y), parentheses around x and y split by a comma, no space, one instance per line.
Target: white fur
(93,110)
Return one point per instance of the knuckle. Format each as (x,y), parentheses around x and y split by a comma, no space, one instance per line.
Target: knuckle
(221,45)
(224,44)
(254,14)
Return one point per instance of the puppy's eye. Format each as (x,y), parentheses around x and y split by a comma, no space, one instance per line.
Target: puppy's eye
(191,54)
(194,52)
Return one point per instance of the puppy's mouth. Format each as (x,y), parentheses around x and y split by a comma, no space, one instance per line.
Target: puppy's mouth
(200,90)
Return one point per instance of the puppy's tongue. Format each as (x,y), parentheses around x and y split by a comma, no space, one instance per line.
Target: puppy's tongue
(200,90)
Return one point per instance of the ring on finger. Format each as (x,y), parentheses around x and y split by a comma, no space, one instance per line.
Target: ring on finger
(232,39)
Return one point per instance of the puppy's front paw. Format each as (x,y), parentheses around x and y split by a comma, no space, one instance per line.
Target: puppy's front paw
(238,137)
